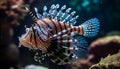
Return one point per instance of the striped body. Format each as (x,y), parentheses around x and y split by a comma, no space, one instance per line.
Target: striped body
(62,33)
(54,35)
(58,27)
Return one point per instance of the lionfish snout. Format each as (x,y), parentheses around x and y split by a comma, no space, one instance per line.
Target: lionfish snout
(25,39)
(32,40)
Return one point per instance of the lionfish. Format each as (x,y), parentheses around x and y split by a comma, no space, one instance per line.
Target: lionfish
(53,34)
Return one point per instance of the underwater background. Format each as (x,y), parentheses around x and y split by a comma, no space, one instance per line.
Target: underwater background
(13,18)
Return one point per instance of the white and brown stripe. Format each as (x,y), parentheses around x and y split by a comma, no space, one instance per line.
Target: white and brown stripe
(59,29)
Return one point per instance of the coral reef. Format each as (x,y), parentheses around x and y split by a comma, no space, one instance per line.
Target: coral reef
(109,62)
(104,46)
(81,64)
(12,11)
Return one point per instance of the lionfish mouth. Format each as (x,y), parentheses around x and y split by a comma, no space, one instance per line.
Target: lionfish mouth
(25,39)
(30,41)
(26,44)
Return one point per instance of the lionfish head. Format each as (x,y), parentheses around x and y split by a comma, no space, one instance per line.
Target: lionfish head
(28,39)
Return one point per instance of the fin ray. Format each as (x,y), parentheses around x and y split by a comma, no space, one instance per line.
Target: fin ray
(90,27)
(81,47)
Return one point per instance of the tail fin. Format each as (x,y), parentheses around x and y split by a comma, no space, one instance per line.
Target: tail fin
(90,27)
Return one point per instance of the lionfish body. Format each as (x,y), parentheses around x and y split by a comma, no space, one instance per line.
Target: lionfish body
(54,34)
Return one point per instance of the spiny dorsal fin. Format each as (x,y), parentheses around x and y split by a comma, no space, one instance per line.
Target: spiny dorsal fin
(39,16)
(45,14)
(61,15)
(31,14)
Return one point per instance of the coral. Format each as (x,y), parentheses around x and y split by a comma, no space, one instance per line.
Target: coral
(81,64)
(104,46)
(109,62)
(106,40)
(12,11)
